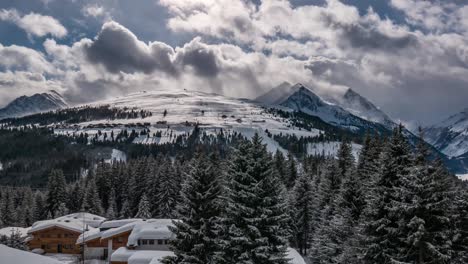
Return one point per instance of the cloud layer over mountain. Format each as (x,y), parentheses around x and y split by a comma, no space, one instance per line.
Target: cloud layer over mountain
(408,56)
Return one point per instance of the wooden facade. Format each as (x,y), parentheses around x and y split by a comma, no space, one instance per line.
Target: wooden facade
(55,240)
(118,240)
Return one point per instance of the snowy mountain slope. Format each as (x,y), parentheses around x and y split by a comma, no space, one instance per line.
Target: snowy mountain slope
(451,135)
(304,100)
(360,106)
(26,105)
(276,95)
(350,101)
(175,112)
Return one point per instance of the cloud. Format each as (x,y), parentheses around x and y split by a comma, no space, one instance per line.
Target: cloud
(96,11)
(34,24)
(404,63)
(118,49)
(18,58)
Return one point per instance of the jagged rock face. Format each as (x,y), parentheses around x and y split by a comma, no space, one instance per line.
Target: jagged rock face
(36,103)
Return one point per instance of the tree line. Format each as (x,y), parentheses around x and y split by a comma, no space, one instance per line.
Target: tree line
(391,205)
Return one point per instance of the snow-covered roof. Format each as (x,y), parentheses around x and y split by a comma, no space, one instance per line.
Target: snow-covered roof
(122,254)
(89,219)
(7,231)
(295,257)
(142,229)
(16,256)
(119,230)
(88,236)
(150,229)
(74,222)
(117,223)
(149,256)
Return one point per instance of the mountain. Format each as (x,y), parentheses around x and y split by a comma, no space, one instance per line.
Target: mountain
(277,94)
(350,101)
(451,135)
(360,106)
(304,100)
(26,105)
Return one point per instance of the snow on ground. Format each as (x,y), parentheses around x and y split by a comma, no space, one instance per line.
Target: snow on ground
(462,177)
(15,256)
(7,231)
(331,148)
(63,258)
(295,257)
(149,256)
(117,156)
(211,111)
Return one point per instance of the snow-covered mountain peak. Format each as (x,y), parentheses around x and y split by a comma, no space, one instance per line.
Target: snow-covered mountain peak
(451,135)
(40,102)
(362,107)
(350,101)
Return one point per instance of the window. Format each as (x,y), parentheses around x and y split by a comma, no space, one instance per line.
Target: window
(166,242)
(160,242)
(151,241)
(120,239)
(145,242)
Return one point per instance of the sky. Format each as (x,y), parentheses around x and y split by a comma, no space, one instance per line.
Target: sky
(409,57)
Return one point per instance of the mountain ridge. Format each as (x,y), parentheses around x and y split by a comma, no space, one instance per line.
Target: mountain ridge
(39,102)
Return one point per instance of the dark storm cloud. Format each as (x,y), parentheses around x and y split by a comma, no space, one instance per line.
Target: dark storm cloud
(368,37)
(202,60)
(118,49)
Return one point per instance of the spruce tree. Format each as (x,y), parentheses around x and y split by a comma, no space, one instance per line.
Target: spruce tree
(303,216)
(425,223)
(382,236)
(291,171)
(195,240)
(143,208)
(254,225)
(168,191)
(345,158)
(57,192)
(92,202)
(111,212)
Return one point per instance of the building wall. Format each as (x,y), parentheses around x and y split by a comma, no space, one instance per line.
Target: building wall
(55,240)
(118,240)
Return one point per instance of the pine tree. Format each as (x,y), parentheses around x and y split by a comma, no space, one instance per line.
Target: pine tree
(254,227)
(92,202)
(291,171)
(280,166)
(425,222)
(111,212)
(345,158)
(195,240)
(303,217)
(382,236)
(126,211)
(143,208)
(57,192)
(40,212)
(168,191)
(9,209)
